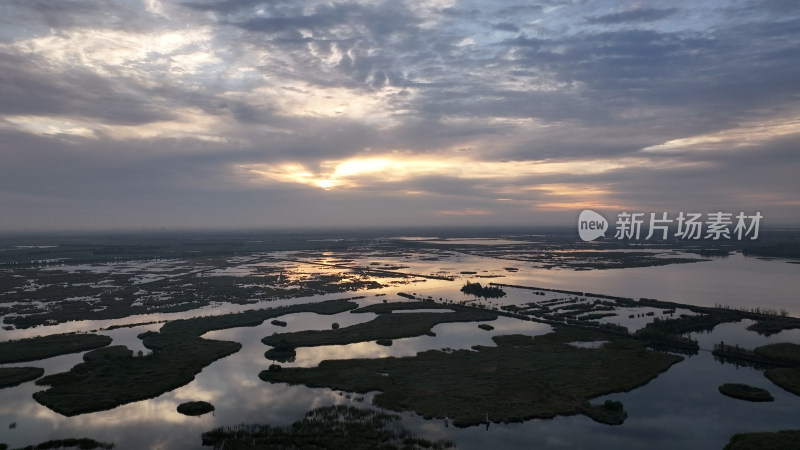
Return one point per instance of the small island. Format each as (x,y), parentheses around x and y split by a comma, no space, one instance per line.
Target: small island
(528,377)
(41,347)
(610,413)
(13,376)
(197,408)
(281,351)
(478,290)
(745,392)
(781,440)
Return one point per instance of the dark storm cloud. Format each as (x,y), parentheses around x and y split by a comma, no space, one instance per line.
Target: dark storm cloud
(41,15)
(677,83)
(513,11)
(634,15)
(444,185)
(777,8)
(374,41)
(29,87)
(225,6)
(506,26)
(379,20)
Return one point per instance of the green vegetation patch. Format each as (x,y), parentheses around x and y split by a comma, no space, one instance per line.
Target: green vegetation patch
(197,408)
(781,440)
(519,379)
(662,340)
(610,413)
(179,353)
(786,378)
(667,334)
(702,322)
(784,353)
(112,353)
(385,326)
(105,384)
(745,392)
(774,325)
(281,351)
(741,356)
(329,427)
(388,308)
(13,376)
(36,348)
(201,325)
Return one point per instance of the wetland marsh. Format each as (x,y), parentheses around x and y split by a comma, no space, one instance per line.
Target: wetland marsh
(117,340)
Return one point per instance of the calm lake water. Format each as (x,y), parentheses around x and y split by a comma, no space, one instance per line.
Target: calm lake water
(736,280)
(681,408)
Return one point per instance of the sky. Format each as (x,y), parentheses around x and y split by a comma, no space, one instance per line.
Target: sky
(259,114)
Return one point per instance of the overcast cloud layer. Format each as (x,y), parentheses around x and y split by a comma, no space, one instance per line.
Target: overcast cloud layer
(200,113)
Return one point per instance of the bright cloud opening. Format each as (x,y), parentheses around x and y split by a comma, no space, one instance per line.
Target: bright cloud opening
(361,172)
(746,135)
